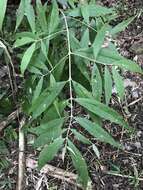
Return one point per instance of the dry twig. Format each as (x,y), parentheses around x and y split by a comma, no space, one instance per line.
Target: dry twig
(55,172)
(9,119)
(21,157)
(123,176)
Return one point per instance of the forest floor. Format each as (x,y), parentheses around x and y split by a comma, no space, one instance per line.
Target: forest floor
(127,165)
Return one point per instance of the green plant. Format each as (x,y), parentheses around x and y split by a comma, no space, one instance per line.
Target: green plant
(68,58)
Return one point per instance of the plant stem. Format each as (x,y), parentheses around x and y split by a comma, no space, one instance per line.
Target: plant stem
(70,82)
(14,87)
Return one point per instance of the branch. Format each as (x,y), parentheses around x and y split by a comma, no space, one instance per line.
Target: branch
(124,176)
(55,172)
(9,119)
(21,157)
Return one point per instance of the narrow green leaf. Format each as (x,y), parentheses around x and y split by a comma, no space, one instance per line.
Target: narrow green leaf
(121,26)
(99,23)
(44,49)
(26,34)
(99,40)
(108,57)
(79,164)
(97,10)
(81,65)
(39,61)
(3,5)
(47,137)
(96,151)
(52,80)
(20,13)
(55,103)
(94,11)
(46,127)
(81,91)
(41,65)
(23,41)
(41,15)
(96,83)
(80,137)
(34,70)
(74,42)
(38,90)
(119,83)
(46,99)
(84,43)
(52,114)
(49,152)
(97,131)
(102,110)
(54,18)
(60,68)
(29,11)
(107,85)
(129,65)
(27,57)
(85,13)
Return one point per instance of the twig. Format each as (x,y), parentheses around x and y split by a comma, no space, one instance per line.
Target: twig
(123,176)
(9,119)
(134,102)
(13,87)
(55,172)
(21,157)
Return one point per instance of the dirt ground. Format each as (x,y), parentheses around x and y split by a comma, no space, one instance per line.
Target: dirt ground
(127,165)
